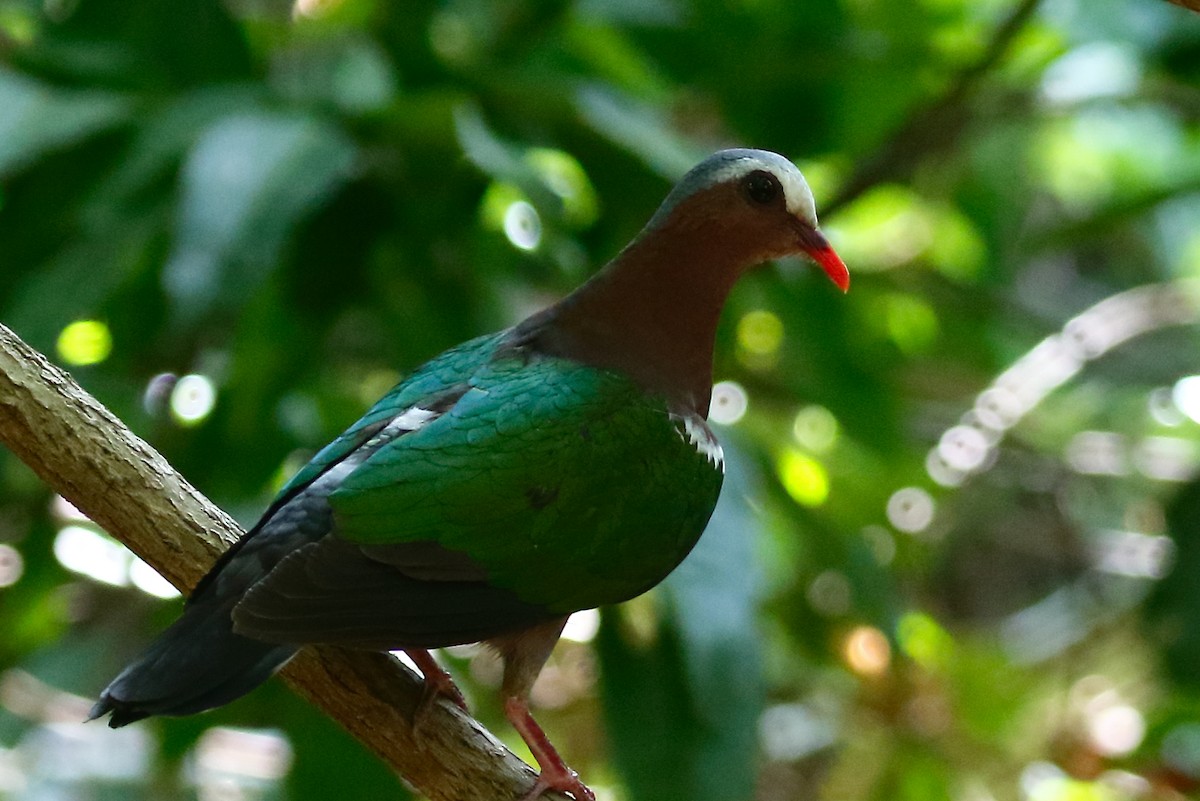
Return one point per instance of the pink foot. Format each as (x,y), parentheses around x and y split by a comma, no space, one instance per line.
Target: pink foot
(437,684)
(555,773)
(569,783)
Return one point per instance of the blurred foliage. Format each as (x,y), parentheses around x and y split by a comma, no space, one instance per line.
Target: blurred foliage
(956,554)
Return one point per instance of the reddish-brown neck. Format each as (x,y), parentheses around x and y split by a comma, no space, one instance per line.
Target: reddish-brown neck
(651,313)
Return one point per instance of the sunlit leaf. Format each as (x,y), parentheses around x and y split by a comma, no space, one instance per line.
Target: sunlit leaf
(247,182)
(39,117)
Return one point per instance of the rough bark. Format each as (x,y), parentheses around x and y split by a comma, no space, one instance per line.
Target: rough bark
(86,454)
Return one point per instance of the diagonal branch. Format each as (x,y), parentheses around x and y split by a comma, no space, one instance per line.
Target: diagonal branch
(85,453)
(933,125)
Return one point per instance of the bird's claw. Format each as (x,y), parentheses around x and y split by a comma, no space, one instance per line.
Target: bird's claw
(440,685)
(565,782)
(437,683)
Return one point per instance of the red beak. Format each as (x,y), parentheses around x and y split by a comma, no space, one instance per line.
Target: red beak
(832,264)
(814,243)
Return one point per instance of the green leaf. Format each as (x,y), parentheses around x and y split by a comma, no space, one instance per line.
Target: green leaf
(246,184)
(641,128)
(39,118)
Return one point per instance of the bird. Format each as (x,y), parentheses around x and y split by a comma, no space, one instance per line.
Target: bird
(561,464)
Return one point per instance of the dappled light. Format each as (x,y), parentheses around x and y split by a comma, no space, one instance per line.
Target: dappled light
(12,565)
(192,399)
(867,651)
(956,552)
(729,403)
(816,428)
(522,225)
(84,342)
(582,626)
(804,478)
(238,764)
(911,510)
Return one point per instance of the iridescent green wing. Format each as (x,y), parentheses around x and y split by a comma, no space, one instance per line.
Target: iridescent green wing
(564,484)
(437,380)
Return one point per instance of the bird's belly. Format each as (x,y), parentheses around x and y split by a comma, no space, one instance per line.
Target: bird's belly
(637,525)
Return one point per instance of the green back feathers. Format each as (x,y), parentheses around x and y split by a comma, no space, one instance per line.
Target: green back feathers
(433,379)
(565,483)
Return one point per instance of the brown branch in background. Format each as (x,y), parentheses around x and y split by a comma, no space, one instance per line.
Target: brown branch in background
(88,456)
(933,125)
(1194,5)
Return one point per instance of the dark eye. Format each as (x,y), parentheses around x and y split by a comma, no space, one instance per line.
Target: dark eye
(762,187)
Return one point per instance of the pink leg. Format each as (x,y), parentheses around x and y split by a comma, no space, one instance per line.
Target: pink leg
(555,773)
(437,682)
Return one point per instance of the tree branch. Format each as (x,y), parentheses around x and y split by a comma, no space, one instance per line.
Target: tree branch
(935,124)
(86,454)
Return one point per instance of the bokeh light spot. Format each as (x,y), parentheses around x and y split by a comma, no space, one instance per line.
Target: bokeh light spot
(1098,453)
(12,566)
(1186,395)
(83,550)
(452,37)
(910,509)
(1163,409)
(728,404)
(963,448)
(192,399)
(582,626)
(941,471)
(882,229)
(760,332)
(227,758)
(66,512)
(1094,70)
(804,478)
(1167,458)
(815,428)
(1045,781)
(923,639)
(866,651)
(522,225)
(1116,730)
(830,593)
(957,249)
(495,203)
(147,579)
(156,399)
(792,731)
(881,542)
(85,342)
(20,25)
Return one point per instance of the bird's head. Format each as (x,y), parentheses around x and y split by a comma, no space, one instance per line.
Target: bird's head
(753,205)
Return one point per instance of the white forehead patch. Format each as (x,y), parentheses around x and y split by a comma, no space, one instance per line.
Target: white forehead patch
(732,165)
(797,196)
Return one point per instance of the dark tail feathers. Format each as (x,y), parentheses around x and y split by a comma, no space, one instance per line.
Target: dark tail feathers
(196,664)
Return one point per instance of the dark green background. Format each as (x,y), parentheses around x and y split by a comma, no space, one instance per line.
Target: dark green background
(303,204)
